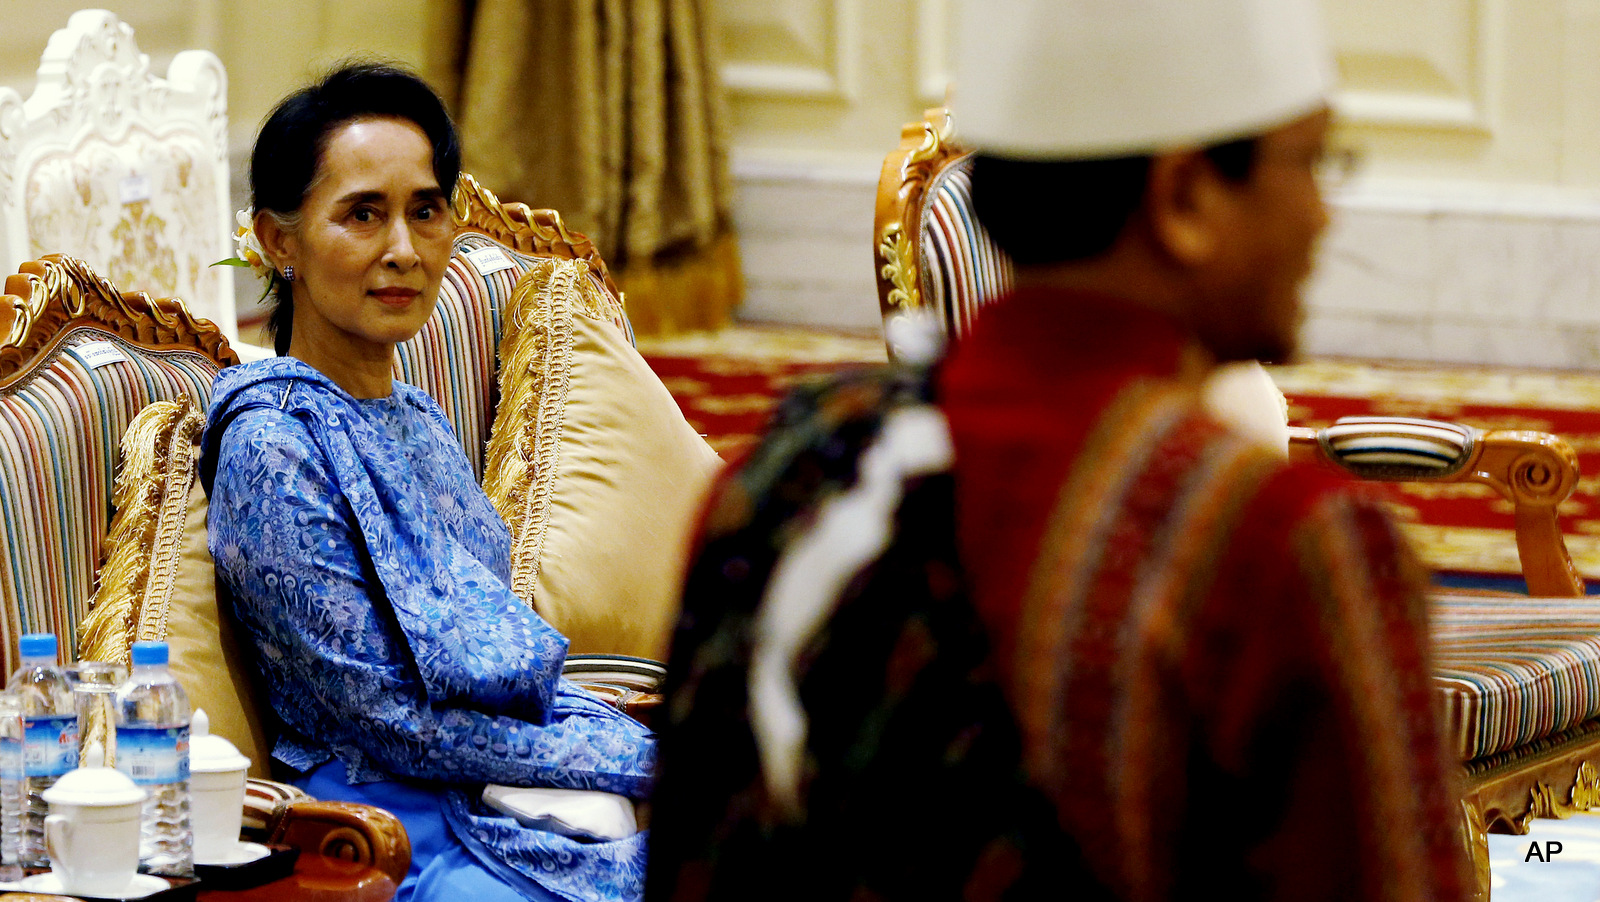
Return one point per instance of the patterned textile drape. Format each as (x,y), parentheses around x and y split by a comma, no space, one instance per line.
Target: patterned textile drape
(610,111)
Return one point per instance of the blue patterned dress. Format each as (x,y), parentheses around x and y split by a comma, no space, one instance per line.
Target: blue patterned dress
(370,574)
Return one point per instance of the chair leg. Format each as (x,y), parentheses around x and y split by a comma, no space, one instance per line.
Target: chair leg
(1475,834)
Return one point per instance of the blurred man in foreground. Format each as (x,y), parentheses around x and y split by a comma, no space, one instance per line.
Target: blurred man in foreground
(1036,577)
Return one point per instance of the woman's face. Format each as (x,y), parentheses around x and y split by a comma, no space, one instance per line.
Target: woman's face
(374,238)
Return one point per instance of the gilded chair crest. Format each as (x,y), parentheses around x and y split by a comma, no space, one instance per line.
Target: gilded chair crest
(931,254)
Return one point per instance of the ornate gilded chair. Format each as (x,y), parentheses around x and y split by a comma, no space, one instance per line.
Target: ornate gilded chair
(1514,673)
(120,167)
(79,362)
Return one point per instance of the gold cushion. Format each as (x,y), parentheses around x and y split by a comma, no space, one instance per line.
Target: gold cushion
(159,582)
(594,468)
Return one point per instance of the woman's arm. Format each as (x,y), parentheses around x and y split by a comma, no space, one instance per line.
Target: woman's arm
(339,671)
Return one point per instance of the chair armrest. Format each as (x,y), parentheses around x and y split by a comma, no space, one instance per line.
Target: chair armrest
(346,831)
(282,814)
(1535,471)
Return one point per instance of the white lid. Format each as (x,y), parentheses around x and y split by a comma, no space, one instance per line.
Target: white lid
(94,786)
(1063,79)
(210,754)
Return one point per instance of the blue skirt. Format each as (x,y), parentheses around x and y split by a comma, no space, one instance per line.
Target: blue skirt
(442,868)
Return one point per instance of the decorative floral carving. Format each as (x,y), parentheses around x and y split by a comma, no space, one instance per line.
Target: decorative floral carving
(925,148)
(899,267)
(1546,802)
(46,296)
(142,256)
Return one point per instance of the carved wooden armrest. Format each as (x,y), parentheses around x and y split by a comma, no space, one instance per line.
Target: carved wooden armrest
(346,831)
(1535,471)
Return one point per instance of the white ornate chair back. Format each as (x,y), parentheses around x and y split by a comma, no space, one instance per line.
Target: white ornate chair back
(120,167)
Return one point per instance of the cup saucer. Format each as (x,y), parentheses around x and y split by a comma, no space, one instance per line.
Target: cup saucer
(140,886)
(242,853)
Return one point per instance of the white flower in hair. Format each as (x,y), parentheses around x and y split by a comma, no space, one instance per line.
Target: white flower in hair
(247,247)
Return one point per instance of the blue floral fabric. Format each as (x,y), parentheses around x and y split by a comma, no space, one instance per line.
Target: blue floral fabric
(370,573)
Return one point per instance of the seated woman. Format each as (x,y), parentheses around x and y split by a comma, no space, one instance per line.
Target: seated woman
(365,565)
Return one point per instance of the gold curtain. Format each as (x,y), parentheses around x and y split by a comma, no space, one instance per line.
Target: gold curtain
(612,113)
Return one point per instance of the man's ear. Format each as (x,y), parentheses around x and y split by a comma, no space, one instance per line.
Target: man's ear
(279,245)
(1188,206)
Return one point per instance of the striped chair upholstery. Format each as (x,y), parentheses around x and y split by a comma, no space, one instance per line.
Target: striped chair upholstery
(455,357)
(962,267)
(1534,471)
(1399,447)
(1514,670)
(81,361)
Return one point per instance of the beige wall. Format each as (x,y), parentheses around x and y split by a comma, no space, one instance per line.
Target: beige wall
(1485,91)
(267,46)
(1502,91)
(1473,234)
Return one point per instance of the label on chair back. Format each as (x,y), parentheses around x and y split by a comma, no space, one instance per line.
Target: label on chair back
(489,260)
(133,189)
(96,354)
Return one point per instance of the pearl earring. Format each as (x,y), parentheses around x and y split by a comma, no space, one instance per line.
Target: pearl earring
(288,273)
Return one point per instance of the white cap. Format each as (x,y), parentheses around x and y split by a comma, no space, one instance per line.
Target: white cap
(1082,79)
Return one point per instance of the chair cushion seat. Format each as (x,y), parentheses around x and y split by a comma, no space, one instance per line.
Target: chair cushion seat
(1513,669)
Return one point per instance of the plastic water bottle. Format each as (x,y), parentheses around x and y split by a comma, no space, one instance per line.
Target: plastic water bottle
(49,739)
(153,749)
(10,786)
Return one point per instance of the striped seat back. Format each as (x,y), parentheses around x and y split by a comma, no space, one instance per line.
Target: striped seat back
(68,389)
(455,358)
(961,266)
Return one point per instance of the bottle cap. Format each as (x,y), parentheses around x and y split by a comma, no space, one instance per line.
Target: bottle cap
(210,754)
(34,646)
(149,653)
(94,786)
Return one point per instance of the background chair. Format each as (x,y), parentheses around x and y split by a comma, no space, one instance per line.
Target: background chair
(932,255)
(79,362)
(1514,673)
(121,168)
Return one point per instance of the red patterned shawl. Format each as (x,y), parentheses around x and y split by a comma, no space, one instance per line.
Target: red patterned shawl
(1219,664)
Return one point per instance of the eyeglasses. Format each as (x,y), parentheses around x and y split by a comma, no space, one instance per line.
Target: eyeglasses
(1332,167)
(1336,166)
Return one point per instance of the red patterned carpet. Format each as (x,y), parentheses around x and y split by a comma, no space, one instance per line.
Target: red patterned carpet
(727,384)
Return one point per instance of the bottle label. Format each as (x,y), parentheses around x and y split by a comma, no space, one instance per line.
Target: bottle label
(152,755)
(49,744)
(10,758)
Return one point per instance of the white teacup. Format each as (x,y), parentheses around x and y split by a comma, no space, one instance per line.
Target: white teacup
(216,792)
(92,832)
